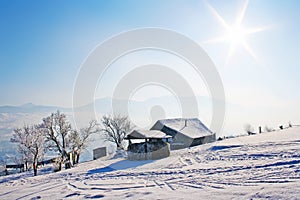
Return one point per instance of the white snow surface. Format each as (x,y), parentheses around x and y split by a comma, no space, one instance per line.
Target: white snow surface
(264,166)
(148,134)
(191,127)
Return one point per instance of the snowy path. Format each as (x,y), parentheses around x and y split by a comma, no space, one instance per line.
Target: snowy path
(265,166)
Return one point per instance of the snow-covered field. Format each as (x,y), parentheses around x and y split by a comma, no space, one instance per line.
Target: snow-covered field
(264,166)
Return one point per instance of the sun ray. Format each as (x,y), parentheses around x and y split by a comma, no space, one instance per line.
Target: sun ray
(216,14)
(241,16)
(230,53)
(257,29)
(250,51)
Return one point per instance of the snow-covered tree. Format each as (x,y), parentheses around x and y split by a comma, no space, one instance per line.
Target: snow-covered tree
(57,131)
(249,129)
(80,139)
(30,141)
(116,128)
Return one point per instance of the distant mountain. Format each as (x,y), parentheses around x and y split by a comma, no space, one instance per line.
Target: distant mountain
(104,105)
(28,108)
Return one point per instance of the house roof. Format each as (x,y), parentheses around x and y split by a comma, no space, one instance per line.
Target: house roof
(191,127)
(145,134)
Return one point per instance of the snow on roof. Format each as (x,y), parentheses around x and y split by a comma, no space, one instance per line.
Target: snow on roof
(144,134)
(191,127)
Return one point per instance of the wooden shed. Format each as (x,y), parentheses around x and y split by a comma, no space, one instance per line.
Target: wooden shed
(148,145)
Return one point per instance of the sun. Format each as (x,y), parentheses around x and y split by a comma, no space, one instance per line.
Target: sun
(236,34)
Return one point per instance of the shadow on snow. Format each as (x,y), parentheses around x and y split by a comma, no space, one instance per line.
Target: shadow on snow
(120,165)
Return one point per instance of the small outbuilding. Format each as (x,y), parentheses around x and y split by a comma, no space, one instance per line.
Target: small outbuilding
(99,152)
(185,132)
(148,145)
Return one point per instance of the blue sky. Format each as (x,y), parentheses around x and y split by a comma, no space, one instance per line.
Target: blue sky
(43,44)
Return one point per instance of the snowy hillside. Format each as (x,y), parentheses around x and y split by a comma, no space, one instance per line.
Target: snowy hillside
(265,166)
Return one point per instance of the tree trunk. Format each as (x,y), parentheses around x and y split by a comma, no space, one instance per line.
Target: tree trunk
(65,156)
(74,157)
(35,167)
(26,165)
(60,166)
(120,146)
(61,162)
(77,158)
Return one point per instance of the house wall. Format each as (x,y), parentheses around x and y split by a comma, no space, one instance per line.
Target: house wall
(148,151)
(180,141)
(99,152)
(204,140)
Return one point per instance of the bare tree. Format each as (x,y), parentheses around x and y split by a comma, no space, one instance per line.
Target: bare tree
(249,129)
(80,139)
(57,131)
(30,144)
(116,128)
